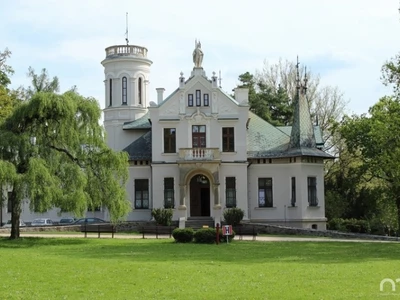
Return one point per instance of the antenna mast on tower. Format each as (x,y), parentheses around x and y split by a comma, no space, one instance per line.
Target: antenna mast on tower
(127,32)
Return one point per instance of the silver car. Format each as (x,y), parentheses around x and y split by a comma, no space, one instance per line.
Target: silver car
(42,222)
(8,225)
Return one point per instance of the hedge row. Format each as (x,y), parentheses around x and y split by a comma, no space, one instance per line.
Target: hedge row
(349,225)
(201,236)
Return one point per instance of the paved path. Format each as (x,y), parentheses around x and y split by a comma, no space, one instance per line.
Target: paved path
(245,238)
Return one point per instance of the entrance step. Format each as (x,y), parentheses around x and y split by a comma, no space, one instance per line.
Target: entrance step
(199,222)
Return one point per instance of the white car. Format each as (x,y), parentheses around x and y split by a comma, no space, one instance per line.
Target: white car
(8,225)
(42,222)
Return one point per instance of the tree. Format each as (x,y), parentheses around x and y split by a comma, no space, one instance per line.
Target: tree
(375,138)
(327,103)
(54,153)
(5,70)
(272,105)
(41,83)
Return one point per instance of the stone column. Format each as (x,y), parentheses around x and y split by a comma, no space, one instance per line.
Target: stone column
(217,202)
(182,200)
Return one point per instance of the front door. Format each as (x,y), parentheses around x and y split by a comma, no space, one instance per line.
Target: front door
(199,136)
(199,196)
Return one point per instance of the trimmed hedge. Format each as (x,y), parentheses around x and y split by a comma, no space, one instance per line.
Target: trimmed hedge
(205,236)
(184,235)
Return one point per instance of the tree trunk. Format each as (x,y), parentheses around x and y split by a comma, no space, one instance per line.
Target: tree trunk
(15,216)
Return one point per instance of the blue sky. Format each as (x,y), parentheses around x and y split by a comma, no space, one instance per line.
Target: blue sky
(344,41)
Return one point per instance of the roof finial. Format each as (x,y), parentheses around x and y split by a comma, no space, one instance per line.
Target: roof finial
(220,79)
(127,31)
(305,79)
(297,74)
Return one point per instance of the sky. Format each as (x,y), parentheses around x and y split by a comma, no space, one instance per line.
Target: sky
(346,42)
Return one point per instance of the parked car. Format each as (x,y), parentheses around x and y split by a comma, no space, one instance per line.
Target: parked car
(88,221)
(66,221)
(8,224)
(42,222)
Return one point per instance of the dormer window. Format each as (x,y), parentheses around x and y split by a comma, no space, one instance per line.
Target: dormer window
(124,90)
(206,100)
(198,98)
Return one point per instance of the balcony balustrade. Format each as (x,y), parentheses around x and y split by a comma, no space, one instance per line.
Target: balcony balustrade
(199,154)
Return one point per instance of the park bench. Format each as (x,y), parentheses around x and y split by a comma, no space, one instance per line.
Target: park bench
(245,230)
(156,229)
(99,228)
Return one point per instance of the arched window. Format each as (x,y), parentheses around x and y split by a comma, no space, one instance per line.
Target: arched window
(124,90)
(110,90)
(140,90)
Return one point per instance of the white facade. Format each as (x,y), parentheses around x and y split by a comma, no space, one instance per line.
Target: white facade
(200,151)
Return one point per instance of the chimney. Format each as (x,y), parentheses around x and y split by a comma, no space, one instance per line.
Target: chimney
(242,95)
(160,95)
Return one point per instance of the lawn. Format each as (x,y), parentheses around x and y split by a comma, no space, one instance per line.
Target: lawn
(77,268)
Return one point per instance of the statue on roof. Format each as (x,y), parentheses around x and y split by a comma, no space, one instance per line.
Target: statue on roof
(197,55)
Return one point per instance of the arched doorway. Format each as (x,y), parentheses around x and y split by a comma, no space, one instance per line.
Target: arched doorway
(199,196)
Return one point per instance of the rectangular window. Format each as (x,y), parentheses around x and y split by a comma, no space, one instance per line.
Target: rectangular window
(265,192)
(228,139)
(293,199)
(169,198)
(169,140)
(190,100)
(141,193)
(199,136)
(206,100)
(9,203)
(198,98)
(110,90)
(230,191)
(312,191)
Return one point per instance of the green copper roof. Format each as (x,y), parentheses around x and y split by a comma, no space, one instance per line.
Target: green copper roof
(141,123)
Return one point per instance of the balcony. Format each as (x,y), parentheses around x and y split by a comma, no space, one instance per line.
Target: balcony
(199,154)
(126,50)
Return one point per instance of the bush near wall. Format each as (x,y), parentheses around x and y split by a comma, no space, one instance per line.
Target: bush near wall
(233,216)
(349,225)
(184,235)
(205,236)
(163,216)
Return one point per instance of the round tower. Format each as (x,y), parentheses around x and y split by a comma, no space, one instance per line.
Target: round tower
(127,71)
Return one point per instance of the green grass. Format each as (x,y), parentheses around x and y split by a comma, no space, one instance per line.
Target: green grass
(77,268)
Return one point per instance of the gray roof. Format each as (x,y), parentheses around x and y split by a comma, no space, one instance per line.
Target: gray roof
(317,133)
(141,148)
(141,123)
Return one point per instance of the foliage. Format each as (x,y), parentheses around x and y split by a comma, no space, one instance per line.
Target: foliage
(163,216)
(272,105)
(238,268)
(327,103)
(5,70)
(40,83)
(61,159)
(391,74)
(233,216)
(372,138)
(183,235)
(349,225)
(205,235)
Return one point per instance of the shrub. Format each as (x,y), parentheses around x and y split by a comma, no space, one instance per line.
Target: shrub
(349,225)
(184,235)
(163,216)
(233,216)
(205,236)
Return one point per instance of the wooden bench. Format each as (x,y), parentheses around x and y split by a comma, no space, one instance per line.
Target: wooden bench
(99,228)
(156,229)
(245,230)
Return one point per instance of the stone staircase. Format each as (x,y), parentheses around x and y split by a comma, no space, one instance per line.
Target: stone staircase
(199,222)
